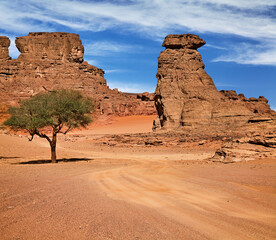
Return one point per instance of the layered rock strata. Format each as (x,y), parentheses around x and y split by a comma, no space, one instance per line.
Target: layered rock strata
(186,96)
(55,60)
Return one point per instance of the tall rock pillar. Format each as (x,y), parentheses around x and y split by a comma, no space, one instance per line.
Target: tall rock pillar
(186,96)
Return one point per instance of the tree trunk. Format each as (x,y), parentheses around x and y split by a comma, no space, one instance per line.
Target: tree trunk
(53,154)
(53,144)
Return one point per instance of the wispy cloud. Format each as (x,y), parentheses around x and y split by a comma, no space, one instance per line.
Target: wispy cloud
(154,19)
(108,71)
(104,48)
(255,54)
(215,46)
(93,62)
(129,87)
(252,4)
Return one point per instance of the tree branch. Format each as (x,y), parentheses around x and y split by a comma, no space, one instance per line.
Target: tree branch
(42,135)
(59,128)
(32,135)
(68,129)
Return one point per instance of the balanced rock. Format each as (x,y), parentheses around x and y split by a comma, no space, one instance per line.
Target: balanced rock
(186,96)
(53,61)
(175,41)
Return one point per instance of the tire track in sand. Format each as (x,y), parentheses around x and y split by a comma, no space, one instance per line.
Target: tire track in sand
(198,203)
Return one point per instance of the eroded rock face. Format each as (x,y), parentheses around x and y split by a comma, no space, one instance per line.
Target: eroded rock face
(186,97)
(55,60)
(51,46)
(4,48)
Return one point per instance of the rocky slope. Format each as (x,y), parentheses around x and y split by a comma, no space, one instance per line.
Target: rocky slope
(55,60)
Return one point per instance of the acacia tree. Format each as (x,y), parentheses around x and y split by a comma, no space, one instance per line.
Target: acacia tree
(57,111)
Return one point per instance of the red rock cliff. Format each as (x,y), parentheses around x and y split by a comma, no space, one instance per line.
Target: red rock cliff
(53,61)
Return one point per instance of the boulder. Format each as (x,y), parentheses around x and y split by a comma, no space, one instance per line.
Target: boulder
(188,41)
(145,96)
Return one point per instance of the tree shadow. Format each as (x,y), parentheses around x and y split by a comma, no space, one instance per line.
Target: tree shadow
(44,161)
(2,157)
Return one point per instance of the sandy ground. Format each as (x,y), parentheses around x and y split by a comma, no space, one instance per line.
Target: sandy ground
(121,125)
(103,192)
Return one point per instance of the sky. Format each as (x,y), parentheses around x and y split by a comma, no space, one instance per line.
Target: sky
(124,37)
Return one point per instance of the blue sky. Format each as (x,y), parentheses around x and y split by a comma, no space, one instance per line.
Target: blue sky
(124,37)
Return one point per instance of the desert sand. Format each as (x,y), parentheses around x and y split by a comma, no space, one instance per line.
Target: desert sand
(97,191)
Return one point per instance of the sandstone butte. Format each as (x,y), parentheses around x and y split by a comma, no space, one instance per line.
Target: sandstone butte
(188,102)
(55,60)
(186,96)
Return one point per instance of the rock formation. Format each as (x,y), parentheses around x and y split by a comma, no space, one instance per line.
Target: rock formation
(4,48)
(53,61)
(186,97)
(51,46)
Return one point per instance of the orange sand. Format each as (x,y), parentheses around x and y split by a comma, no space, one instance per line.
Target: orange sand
(131,193)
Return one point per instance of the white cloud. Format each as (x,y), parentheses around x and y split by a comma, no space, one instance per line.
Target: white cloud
(153,17)
(251,54)
(20,18)
(156,18)
(216,47)
(252,4)
(130,87)
(108,71)
(103,48)
(92,62)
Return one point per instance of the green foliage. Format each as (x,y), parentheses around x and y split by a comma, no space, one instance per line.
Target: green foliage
(60,109)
